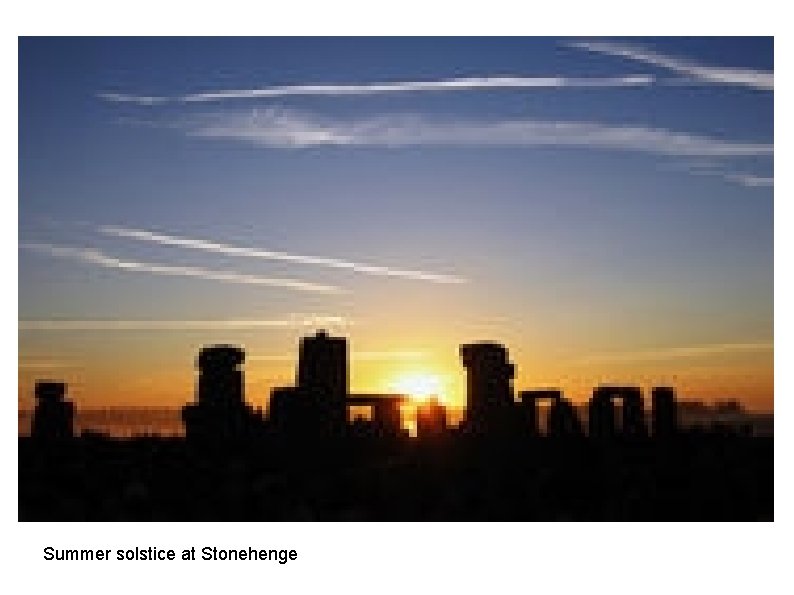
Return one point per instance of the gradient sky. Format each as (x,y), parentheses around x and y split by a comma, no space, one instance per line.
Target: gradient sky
(603,207)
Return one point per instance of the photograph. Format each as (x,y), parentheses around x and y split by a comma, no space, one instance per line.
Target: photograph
(406,278)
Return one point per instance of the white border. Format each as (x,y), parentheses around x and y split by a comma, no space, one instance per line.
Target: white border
(392,558)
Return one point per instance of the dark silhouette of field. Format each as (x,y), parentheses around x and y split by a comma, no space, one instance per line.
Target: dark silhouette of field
(693,477)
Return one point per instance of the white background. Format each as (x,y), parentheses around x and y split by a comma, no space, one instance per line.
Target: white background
(635,558)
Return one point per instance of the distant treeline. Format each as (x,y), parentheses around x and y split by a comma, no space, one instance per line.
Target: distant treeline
(126,422)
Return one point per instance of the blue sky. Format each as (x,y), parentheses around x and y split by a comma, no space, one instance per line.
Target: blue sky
(593,197)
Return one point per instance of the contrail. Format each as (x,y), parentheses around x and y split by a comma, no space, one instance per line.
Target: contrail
(25,364)
(746,77)
(207,246)
(294,321)
(96,257)
(678,352)
(453,84)
(717,170)
(367,356)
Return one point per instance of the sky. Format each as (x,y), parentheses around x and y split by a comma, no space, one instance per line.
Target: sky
(603,207)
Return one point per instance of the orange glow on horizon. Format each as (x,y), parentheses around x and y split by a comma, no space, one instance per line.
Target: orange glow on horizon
(144,370)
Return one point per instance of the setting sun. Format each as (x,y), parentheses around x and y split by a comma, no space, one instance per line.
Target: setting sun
(419,386)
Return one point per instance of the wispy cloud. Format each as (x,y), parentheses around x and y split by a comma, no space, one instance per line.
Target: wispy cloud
(219,248)
(287,129)
(718,170)
(37,365)
(677,352)
(746,77)
(750,180)
(291,321)
(367,356)
(96,257)
(373,88)
(373,356)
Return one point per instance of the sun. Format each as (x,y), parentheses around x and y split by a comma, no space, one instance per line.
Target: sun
(419,386)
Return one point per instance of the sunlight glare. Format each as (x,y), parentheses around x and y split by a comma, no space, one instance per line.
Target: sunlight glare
(419,386)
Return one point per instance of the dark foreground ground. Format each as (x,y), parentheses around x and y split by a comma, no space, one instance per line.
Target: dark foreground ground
(691,477)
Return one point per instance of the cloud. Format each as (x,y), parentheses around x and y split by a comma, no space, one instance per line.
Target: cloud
(714,169)
(271,358)
(292,321)
(374,356)
(287,129)
(746,77)
(750,180)
(354,355)
(207,246)
(92,256)
(677,352)
(37,365)
(335,90)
